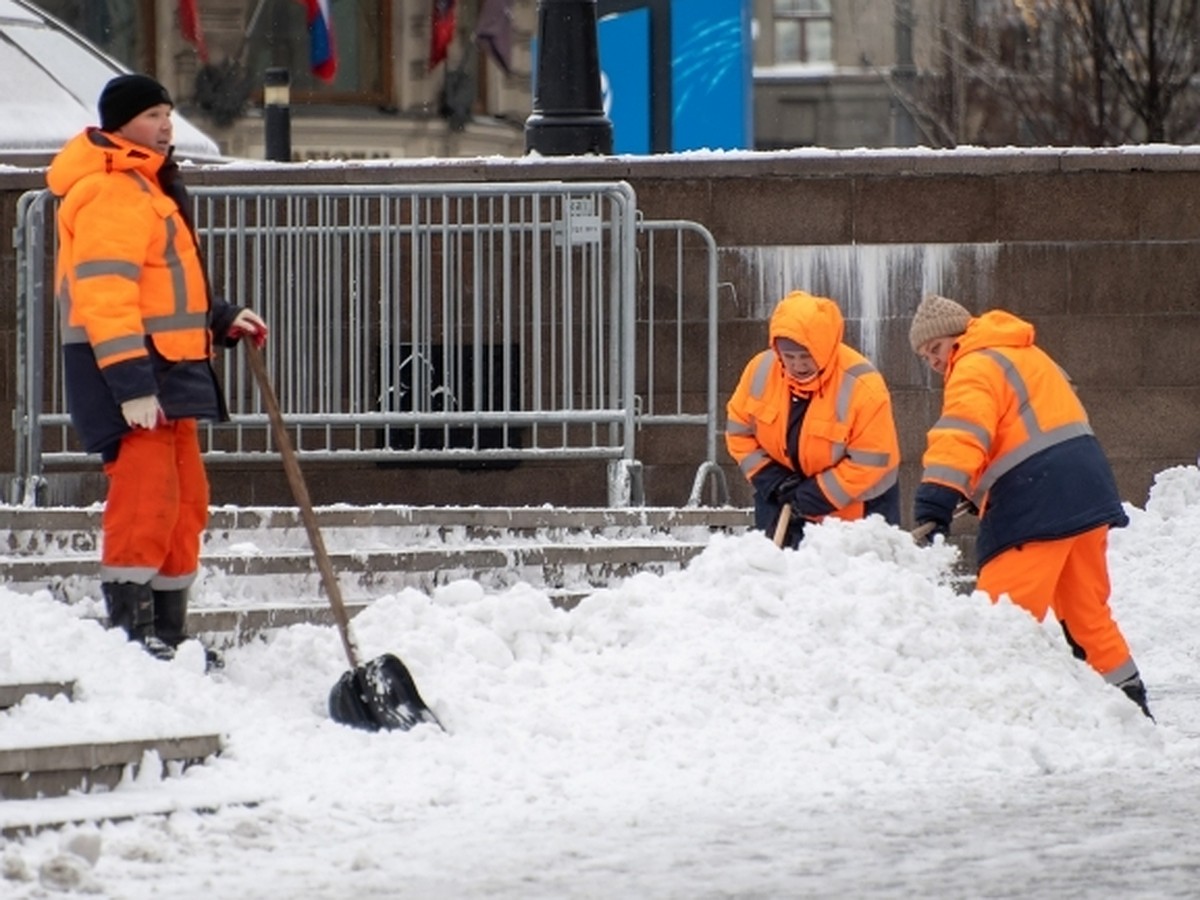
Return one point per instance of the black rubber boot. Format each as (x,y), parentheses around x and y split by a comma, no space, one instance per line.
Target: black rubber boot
(170,623)
(1135,690)
(121,600)
(131,608)
(170,616)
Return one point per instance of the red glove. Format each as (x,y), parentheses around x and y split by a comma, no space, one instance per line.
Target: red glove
(249,324)
(259,337)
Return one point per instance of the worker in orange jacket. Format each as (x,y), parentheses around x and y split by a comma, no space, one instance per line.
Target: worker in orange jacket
(138,325)
(810,423)
(1014,441)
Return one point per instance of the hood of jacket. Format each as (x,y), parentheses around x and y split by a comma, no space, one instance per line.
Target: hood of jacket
(996,328)
(95,152)
(815,323)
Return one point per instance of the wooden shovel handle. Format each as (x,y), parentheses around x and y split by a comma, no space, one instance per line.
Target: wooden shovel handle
(291,466)
(922,531)
(781,527)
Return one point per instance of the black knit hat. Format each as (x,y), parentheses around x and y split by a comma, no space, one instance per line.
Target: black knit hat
(127,96)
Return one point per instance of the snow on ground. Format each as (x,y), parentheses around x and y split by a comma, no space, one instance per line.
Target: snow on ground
(835,721)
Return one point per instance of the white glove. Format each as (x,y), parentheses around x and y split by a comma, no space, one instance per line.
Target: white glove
(142,412)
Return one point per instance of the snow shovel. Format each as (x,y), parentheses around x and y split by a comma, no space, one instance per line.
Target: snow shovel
(379,694)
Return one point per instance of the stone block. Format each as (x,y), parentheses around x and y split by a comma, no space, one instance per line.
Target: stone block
(907,210)
(1081,206)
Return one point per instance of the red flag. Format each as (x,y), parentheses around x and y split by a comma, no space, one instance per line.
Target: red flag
(189,27)
(441,31)
(494,31)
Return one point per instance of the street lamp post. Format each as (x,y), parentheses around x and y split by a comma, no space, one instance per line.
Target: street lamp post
(277,114)
(904,73)
(568,117)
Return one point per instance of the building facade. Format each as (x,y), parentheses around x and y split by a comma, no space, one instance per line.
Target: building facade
(385,101)
(825,71)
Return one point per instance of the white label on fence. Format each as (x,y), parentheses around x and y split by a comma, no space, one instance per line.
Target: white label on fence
(583,221)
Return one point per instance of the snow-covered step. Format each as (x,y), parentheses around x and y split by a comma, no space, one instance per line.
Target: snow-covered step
(36,771)
(72,531)
(380,549)
(12,694)
(567,570)
(607,559)
(24,817)
(235,626)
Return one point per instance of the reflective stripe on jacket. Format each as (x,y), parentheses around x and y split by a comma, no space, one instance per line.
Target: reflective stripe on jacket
(1014,438)
(132,294)
(847,440)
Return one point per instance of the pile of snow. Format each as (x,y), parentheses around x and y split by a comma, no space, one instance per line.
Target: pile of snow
(753,683)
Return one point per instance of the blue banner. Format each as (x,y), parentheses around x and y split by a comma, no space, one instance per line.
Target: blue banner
(711,76)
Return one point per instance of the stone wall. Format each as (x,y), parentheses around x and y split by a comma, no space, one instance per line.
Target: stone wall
(1099,249)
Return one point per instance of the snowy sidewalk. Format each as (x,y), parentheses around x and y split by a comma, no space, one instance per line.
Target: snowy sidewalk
(830,722)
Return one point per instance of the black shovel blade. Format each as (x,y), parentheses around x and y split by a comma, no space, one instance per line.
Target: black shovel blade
(380,694)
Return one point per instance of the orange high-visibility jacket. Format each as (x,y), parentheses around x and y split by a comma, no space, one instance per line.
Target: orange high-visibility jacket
(1014,439)
(131,289)
(847,440)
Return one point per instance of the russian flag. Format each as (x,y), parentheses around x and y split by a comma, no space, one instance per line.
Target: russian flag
(322,56)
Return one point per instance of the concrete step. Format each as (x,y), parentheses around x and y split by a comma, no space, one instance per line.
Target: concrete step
(12,694)
(31,772)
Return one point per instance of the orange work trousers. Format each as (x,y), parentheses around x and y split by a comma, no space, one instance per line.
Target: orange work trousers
(1070,576)
(157,507)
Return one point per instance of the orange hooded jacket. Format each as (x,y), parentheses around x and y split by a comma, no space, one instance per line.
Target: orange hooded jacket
(131,288)
(847,441)
(1014,439)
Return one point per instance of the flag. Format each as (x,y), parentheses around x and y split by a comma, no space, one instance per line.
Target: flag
(494,32)
(322,55)
(442,31)
(189,27)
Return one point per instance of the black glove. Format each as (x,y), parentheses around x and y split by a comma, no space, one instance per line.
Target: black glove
(807,500)
(784,490)
(933,510)
(769,481)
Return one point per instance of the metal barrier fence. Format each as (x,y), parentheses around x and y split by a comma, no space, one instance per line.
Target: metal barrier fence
(422,323)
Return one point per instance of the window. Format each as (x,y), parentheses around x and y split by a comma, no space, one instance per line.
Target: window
(361,30)
(803,31)
(123,29)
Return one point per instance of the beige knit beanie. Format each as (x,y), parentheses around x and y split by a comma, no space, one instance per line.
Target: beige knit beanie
(937,317)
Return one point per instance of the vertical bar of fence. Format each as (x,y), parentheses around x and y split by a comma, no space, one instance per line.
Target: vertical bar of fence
(651,276)
(679,295)
(537,327)
(383,309)
(627,294)
(506,314)
(421,289)
(567,305)
(481,321)
(31,263)
(711,409)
